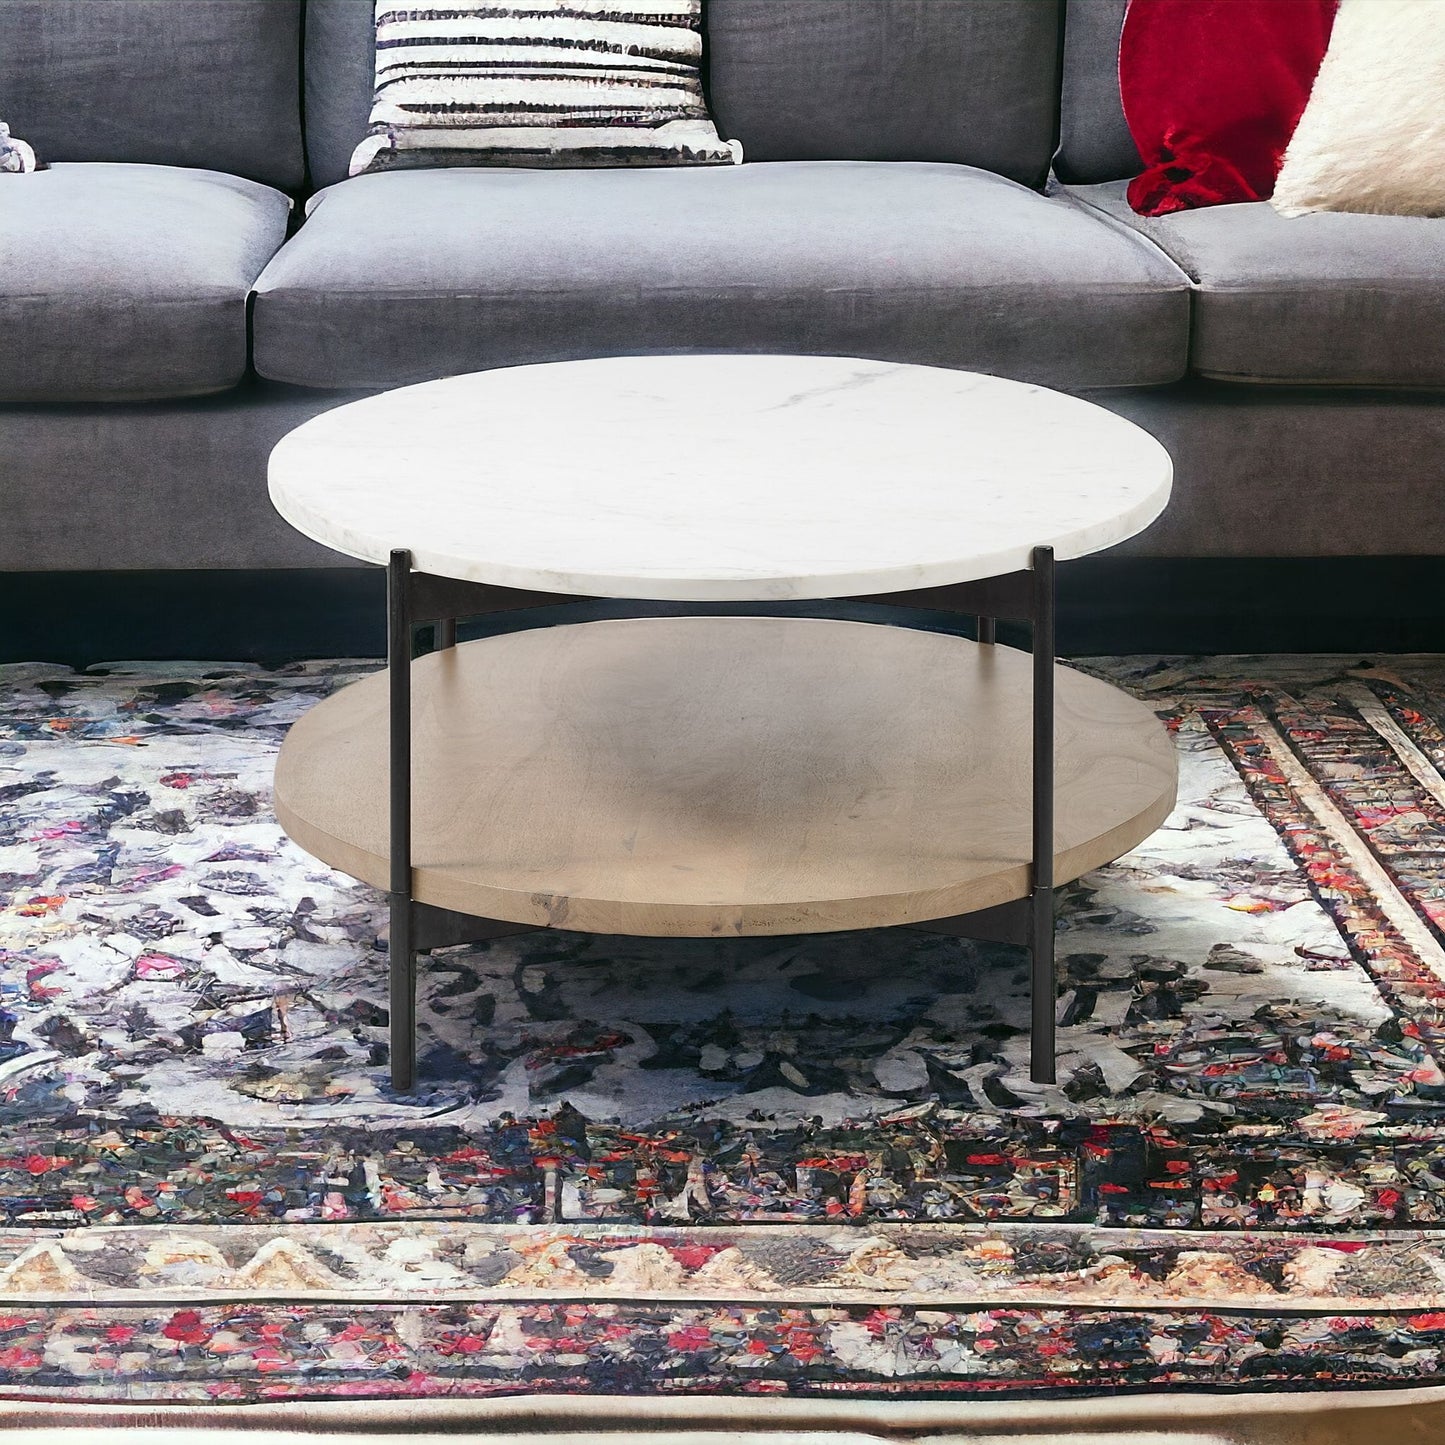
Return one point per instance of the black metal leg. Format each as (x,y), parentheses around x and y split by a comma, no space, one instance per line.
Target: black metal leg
(444,633)
(403,940)
(986,630)
(1042,1050)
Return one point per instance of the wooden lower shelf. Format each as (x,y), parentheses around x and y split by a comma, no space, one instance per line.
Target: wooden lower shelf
(700,776)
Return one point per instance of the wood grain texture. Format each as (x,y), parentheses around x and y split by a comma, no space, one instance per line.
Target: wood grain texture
(723,775)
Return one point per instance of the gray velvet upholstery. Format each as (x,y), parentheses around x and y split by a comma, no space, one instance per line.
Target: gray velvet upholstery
(340,79)
(1094,140)
(129,281)
(120,282)
(974,81)
(408,275)
(1330,299)
(154,485)
(208,83)
(1285,472)
(1258,473)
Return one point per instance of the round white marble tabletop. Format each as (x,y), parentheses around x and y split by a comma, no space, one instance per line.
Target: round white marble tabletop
(719,478)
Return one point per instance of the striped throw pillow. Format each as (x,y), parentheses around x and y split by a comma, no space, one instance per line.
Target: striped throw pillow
(545,83)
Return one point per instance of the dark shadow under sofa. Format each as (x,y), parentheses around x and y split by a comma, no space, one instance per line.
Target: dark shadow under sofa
(937,181)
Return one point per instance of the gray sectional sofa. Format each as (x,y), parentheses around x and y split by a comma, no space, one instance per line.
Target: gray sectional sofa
(926,180)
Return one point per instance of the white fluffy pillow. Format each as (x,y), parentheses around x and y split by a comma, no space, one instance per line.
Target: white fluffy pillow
(1372,137)
(15,155)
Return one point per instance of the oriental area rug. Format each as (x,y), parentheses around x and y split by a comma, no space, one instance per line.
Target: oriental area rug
(773,1167)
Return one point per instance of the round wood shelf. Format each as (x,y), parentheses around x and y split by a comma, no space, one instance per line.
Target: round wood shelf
(701,776)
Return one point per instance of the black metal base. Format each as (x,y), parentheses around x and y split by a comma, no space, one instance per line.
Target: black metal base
(416,599)
(1107,605)
(417,928)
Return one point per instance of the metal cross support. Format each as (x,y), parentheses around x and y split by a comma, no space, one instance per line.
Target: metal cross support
(417,598)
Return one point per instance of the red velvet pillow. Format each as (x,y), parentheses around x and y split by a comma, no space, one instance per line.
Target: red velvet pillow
(1212,91)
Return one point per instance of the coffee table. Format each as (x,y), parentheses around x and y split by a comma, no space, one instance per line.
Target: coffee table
(721,773)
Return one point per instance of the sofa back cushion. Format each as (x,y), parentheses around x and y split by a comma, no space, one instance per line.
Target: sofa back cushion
(974,81)
(340,83)
(1094,140)
(212,84)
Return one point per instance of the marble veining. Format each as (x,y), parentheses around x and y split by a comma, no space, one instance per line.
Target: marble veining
(724,478)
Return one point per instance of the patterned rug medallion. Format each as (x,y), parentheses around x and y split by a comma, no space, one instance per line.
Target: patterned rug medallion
(790,1166)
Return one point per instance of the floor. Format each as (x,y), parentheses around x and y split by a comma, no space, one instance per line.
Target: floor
(1414,1417)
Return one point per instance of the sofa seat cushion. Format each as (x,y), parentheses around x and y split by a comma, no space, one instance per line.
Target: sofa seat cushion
(1331,299)
(129,282)
(404,276)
